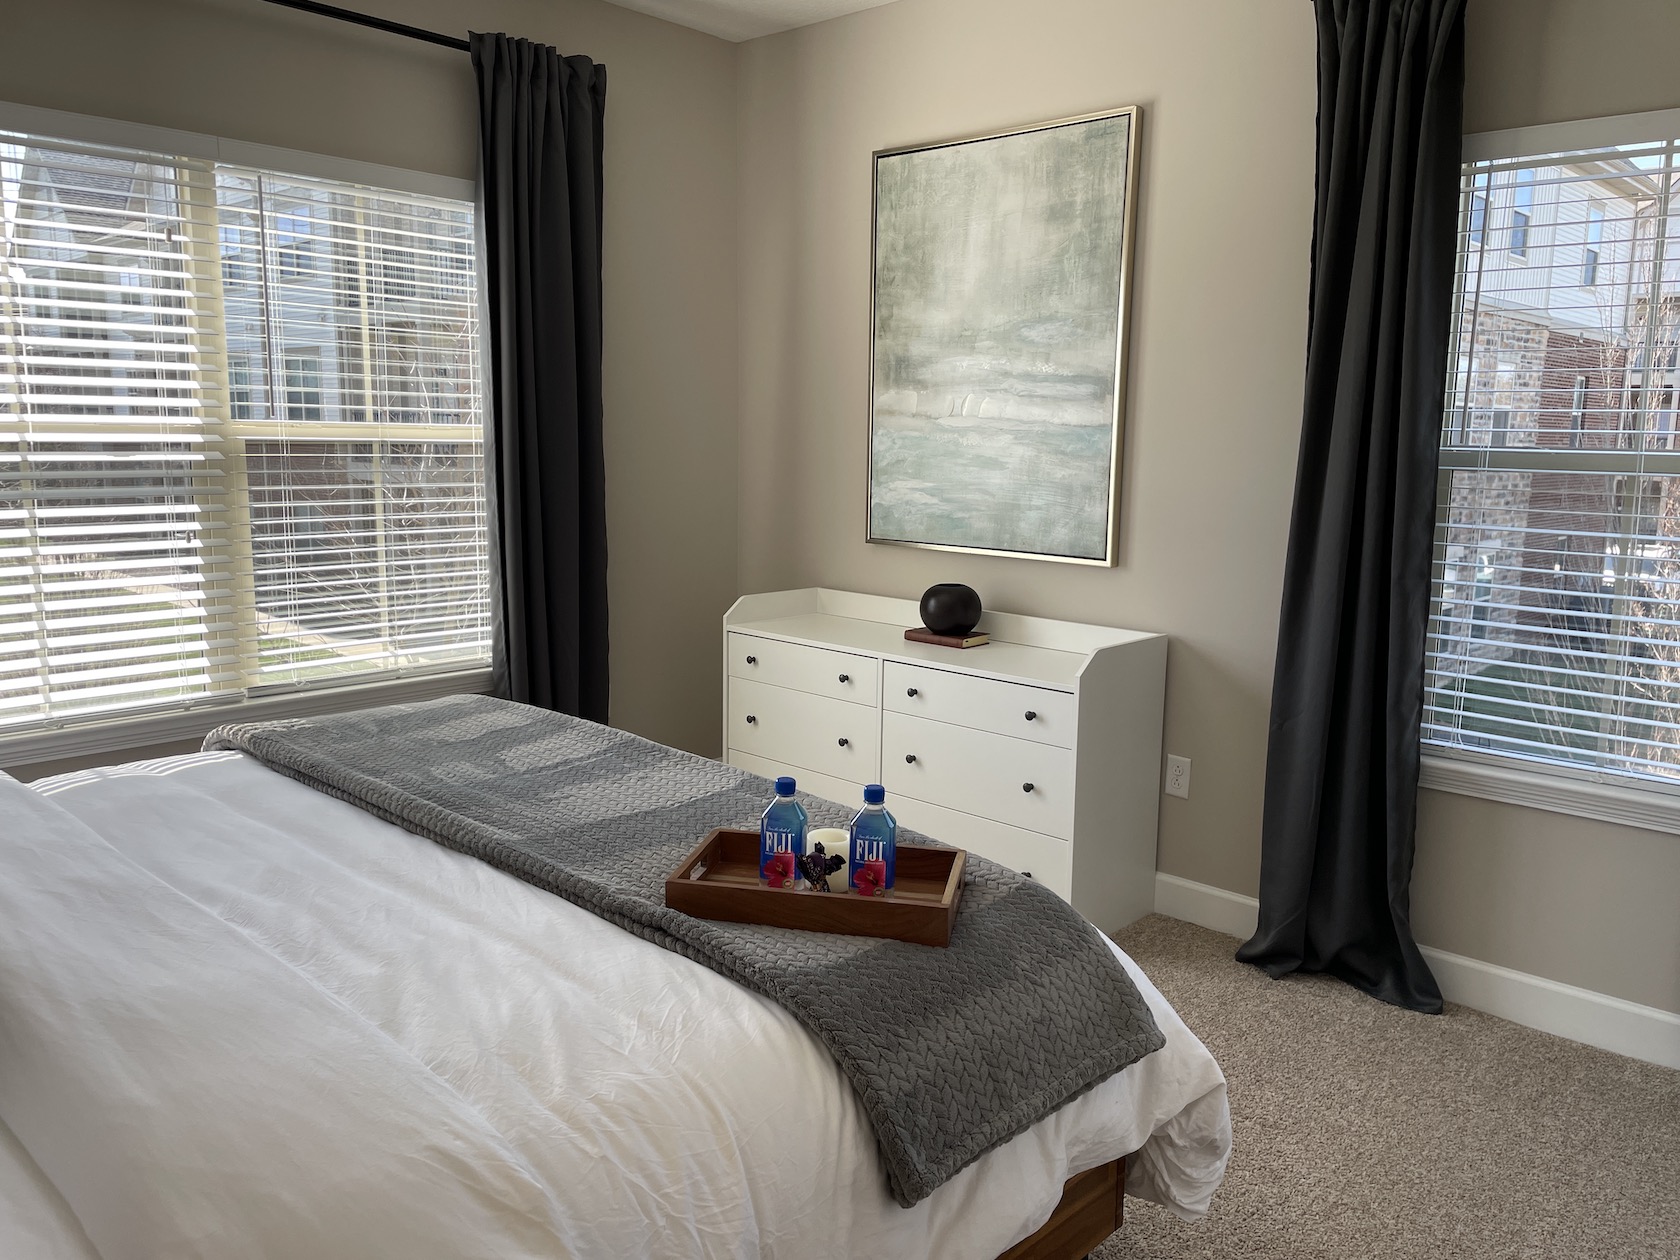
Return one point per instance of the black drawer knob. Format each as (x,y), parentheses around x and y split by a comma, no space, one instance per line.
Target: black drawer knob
(910,691)
(1032,716)
(1026,787)
(909,759)
(752,660)
(844,741)
(751,720)
(845,678)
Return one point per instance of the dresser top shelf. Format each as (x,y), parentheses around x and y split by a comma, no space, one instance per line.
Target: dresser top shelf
(1032,650)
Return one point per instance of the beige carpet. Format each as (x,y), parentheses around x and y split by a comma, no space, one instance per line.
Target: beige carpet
(1362,1130)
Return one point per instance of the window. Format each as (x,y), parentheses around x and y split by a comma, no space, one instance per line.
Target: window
(1499,427)
(238,254)
(294,242)
(1481,599)
(1478,212)
(1594,244)
(1522,212)
(241,396)
(1554,638)
(1577,411)
(233,463)
(1664,427)
(303,384)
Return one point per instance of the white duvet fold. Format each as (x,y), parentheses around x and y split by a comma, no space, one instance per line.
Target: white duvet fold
(273,1120)
(239,1018)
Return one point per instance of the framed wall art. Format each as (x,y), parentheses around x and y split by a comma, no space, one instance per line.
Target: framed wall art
(1001,278)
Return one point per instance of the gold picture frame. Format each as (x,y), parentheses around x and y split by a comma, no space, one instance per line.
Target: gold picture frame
(1000,295)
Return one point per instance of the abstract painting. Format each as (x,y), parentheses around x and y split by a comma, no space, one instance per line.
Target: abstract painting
(1001,271)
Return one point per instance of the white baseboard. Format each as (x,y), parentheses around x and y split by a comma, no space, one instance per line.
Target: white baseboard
(1610,1023)
(1206,906)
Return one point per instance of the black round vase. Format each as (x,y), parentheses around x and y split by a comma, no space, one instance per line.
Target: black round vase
(950,608)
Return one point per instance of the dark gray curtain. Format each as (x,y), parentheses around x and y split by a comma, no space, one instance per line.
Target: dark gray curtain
(1342,763)
(540,134)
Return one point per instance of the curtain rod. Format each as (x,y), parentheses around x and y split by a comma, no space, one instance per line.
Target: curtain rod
(377,23)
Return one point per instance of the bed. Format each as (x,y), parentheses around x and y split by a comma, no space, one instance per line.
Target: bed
(241,1018)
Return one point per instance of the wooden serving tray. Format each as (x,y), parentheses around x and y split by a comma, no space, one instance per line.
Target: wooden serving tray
(719,880)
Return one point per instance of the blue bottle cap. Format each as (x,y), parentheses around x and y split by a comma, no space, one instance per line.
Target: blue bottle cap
(785,785)
(874,794)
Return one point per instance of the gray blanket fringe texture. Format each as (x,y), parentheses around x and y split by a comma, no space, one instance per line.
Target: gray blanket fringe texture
(951,1051)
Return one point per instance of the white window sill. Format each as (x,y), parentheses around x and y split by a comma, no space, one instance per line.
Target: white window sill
(118,735)
(1560,792)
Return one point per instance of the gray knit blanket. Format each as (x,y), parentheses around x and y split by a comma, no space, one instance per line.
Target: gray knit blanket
(951,1051)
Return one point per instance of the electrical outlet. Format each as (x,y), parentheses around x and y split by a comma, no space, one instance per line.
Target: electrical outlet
(1178,776)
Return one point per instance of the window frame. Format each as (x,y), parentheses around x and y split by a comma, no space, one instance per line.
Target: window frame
(191,721)
(1578,409)
(295,254)
(1592,248)
(1522,213)
(241,389)
(302,387)
(1581,792)
(1476,220)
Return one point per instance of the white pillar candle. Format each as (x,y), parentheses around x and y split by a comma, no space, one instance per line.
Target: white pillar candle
(835,843)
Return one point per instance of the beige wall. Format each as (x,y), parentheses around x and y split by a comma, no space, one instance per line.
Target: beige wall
(1219,330)
(1219,313)
(251,71)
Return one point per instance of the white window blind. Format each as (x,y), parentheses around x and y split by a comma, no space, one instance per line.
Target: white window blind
(1555,634)
(240,434)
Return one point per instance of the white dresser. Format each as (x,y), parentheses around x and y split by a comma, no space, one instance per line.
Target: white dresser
(1040,750)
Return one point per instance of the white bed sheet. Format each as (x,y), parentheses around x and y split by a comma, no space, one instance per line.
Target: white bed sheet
(241,1018)
(35,1221)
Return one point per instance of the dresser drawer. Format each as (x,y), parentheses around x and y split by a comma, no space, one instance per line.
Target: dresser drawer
(1013,781)
(1045,858)
(821,671)
(1035,713)
(832,737)
(823,785)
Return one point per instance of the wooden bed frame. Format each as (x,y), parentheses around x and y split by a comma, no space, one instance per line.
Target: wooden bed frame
(1092,1207)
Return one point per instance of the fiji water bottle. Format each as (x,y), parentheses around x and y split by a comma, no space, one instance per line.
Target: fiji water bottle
(874,845)
(781,838)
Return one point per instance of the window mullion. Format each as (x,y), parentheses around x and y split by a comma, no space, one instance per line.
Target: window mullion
(1650,401)
(11,325)
(1439,603)
(1613,729)
(364,256)
(1462,414)
(225,495)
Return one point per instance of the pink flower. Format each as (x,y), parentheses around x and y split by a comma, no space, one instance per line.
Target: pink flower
(779,870)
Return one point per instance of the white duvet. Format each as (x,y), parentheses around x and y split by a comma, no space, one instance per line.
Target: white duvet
(239,1018)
